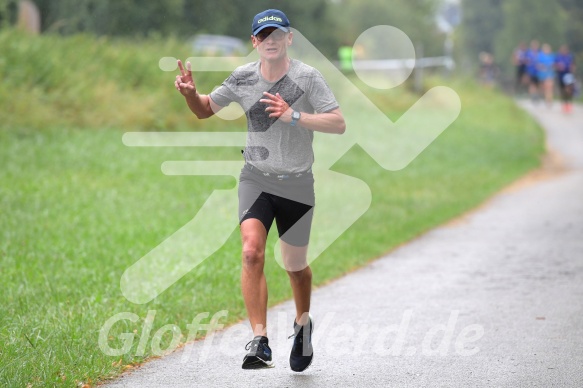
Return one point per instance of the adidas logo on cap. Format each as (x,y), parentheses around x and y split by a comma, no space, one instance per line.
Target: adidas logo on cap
(270,18)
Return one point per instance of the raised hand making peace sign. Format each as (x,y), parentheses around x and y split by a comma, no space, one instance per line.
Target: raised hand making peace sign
(201,105)
(184,82)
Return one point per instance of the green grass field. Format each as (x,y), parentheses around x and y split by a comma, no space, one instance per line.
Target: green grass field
(77,207)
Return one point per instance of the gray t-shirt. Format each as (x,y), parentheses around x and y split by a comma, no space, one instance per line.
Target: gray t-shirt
(272,145)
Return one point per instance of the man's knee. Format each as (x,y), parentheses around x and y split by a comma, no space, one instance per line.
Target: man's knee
(253,254)
(253,236)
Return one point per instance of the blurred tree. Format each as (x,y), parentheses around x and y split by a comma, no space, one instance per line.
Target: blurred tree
(109,17)
(8,12)
(181,17)
(574,25)
(134,17)
(4,13)
(481,20)
(414,17)
(326,23)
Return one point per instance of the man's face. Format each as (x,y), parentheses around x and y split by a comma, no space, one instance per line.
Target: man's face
(271,43)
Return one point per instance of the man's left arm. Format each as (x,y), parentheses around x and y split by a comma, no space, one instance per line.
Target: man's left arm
(328,122)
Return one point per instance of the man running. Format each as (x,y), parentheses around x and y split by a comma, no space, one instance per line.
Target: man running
(285,101)
(532,71)
(565,66)
(519,61)
(545,65)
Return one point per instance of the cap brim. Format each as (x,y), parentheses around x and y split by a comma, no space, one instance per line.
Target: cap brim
(285,29)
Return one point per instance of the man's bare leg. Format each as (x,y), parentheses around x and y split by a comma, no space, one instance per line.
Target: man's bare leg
(300,277)
(253,284)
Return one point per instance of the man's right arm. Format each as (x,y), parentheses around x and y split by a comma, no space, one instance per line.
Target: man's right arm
(200,104)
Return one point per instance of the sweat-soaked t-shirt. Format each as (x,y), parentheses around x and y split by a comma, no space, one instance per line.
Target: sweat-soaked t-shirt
(272,145)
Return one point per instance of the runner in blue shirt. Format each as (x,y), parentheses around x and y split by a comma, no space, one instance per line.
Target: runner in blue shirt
(531,70)
(545,66)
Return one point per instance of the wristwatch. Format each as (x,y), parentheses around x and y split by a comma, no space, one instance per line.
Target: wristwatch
(295,117)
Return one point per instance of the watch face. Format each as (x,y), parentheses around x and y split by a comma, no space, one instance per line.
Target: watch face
(296,115)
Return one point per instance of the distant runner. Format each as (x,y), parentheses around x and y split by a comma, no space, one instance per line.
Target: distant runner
(519,61)
(531,70)
(545,66)
(565,66)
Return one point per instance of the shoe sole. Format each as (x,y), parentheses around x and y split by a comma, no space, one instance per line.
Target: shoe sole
(299,371)
(257,363)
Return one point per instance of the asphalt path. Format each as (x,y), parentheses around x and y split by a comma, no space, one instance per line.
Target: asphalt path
(494,299)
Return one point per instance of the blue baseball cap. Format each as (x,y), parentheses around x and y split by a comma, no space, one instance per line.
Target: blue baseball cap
(270,18)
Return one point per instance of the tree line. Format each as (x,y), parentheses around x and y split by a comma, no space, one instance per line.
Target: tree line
(326,23)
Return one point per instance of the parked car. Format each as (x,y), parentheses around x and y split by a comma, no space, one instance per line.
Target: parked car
(218,45)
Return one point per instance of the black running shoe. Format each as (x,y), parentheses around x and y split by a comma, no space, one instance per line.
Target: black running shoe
(259,355)
(302,352)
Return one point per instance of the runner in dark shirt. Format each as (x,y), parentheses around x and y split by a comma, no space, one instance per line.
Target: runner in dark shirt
(565,67)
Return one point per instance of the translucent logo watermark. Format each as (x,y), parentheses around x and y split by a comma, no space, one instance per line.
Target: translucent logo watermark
(333,337)
(340,199)
(154,339)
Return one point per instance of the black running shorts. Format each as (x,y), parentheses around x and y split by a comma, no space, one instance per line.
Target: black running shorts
(288,201)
